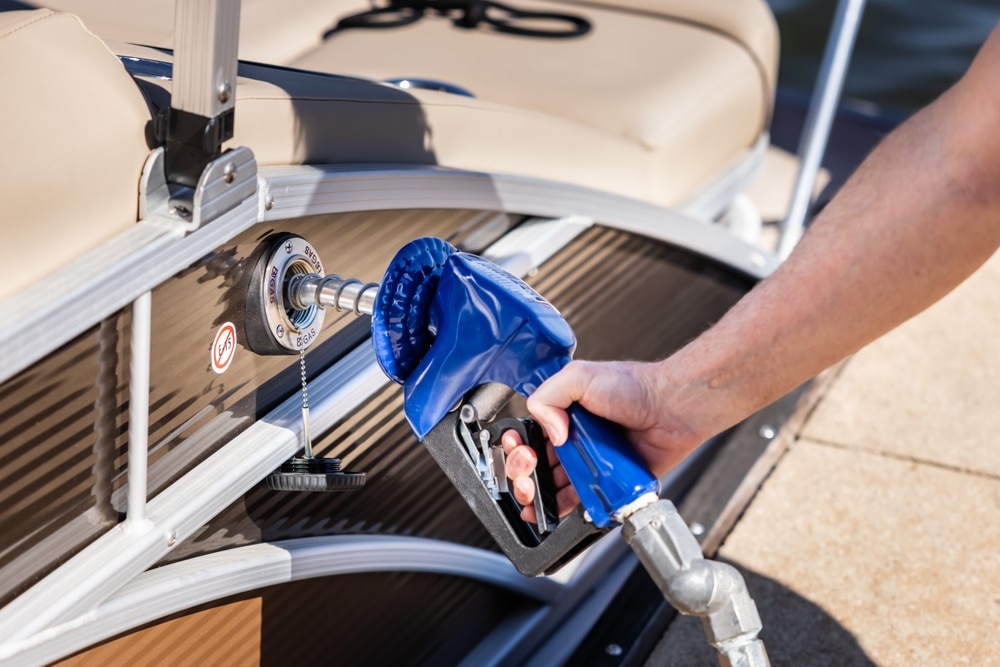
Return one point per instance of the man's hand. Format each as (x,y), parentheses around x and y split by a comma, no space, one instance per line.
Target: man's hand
(631,394)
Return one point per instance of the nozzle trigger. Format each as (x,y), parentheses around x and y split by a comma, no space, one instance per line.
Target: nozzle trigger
(531,434)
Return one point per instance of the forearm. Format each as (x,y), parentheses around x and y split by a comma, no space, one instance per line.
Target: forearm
(917,218)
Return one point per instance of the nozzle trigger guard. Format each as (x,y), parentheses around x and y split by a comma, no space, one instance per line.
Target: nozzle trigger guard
(529,552)
(531,434)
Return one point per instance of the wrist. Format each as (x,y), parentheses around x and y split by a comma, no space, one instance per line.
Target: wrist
(699,393)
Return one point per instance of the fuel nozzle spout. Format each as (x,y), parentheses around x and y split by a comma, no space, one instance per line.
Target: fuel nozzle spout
(305,290)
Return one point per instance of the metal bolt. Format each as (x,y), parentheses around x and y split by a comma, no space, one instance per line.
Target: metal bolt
(280,330)
(767,432)
(225,92)
(697,529)
(758,259)
(613,649)
(467,414)
(171,538)
(229,173)
(288,246)
(269,202)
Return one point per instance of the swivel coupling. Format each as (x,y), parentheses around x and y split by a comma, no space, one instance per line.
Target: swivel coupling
(713,591)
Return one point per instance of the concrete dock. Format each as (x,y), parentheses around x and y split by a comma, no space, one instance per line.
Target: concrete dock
(875,539)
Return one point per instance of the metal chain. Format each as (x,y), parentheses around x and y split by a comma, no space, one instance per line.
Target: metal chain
(307,440)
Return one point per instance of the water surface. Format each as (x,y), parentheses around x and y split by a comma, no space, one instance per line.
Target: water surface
(907,52)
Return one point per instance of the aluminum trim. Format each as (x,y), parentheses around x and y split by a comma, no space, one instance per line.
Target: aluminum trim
(530,244)
(95,573)
(112,275)
(711,202)
(103,281)
(138,414)
(179,586)
(307,190)
(226,183)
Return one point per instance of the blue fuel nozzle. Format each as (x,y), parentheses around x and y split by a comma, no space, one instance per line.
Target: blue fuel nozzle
(483,324)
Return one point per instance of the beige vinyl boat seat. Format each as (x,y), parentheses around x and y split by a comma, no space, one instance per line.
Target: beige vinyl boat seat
(687,82)
(654,103)
(680,88)
(73,137)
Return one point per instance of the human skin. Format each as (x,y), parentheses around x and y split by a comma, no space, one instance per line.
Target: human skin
(918,217)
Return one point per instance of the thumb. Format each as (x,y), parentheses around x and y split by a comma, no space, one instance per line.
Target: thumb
(549,402)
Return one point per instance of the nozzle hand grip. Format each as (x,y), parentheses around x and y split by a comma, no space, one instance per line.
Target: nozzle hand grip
(602,466)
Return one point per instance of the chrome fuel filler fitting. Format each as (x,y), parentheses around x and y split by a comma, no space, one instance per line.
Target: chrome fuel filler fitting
(454,329)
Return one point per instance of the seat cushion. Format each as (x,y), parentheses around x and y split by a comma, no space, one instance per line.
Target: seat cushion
(691,95)
(290,117)
(687,84)
(74,142)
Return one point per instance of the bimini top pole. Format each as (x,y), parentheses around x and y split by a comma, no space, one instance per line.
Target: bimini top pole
(190,181)
(202,102)
(819,119)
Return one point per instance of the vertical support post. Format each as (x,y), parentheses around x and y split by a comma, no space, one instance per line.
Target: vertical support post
(819,118)
(138,414)
(202,105)
(206,40)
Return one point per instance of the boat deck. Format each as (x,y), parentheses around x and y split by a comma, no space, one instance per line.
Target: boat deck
(875,539)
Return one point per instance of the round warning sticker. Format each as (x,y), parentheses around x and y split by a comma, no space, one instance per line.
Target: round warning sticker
(224,347)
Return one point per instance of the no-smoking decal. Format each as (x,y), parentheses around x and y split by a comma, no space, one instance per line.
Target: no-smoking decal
(224,347)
